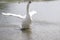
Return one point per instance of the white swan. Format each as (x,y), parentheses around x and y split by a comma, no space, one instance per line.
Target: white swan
(27,18)
(27,21)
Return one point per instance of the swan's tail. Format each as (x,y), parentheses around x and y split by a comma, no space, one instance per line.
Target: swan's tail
(10,14)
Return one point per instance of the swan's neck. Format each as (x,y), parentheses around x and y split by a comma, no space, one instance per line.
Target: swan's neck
(28,9)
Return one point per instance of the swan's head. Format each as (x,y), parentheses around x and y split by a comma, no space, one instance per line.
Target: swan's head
(29,1)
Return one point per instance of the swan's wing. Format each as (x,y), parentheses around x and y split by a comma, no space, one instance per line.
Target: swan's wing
(10,14)
(32,13)
(19,16)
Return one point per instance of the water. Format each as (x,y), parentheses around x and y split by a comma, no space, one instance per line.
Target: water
(36,32)
(45,24)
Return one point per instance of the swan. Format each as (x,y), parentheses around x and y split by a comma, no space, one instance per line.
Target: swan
(26,18)
(27,21)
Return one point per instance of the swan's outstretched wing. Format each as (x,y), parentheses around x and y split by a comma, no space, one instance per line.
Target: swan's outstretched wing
(10,14)
(19,16)
(32,13)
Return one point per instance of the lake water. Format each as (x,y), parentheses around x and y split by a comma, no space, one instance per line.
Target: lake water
(36,32)
(45,24)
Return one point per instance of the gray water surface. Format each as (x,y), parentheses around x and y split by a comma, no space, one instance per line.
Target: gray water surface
(36,32)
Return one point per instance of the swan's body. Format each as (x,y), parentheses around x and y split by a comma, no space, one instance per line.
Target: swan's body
(26,19)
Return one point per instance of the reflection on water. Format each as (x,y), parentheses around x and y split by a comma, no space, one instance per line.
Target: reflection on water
(26,34)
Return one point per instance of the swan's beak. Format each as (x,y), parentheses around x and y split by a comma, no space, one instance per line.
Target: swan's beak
(32,13)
